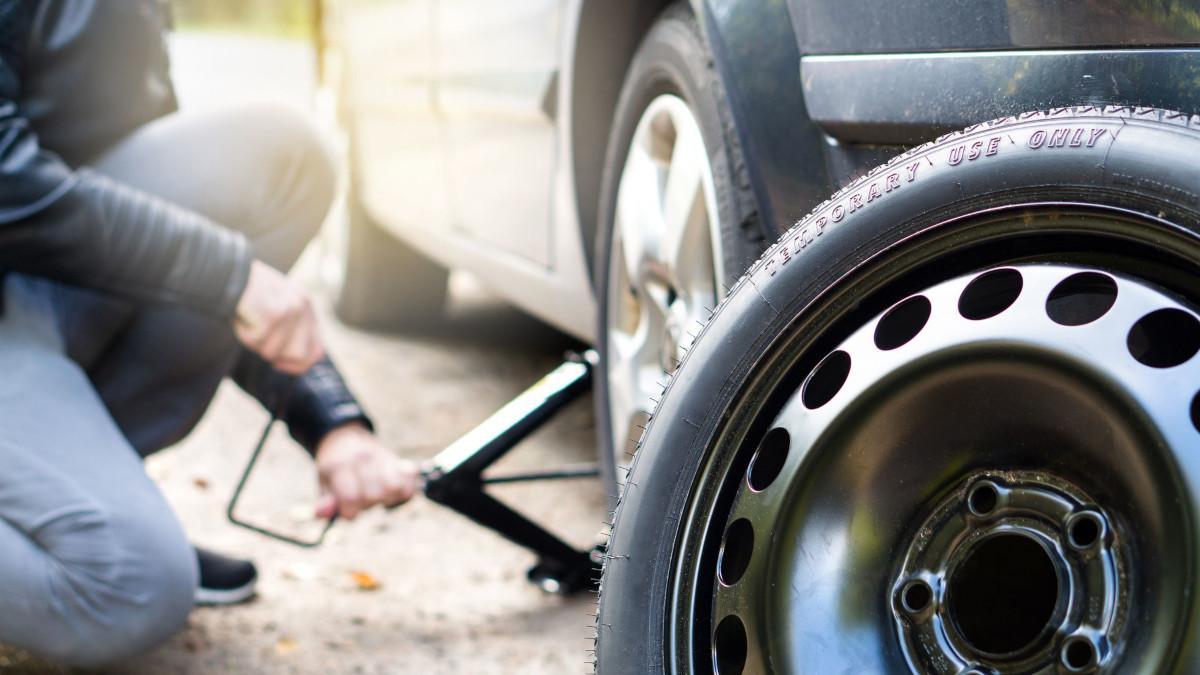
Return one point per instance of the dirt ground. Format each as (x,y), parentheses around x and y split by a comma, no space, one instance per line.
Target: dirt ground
(434,593)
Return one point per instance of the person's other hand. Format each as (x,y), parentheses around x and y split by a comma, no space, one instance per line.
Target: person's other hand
(275,319)
(357,472)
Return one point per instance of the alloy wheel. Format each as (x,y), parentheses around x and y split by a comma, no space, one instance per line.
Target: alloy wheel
(665,262)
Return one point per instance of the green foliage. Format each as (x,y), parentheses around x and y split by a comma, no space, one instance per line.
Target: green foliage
(289,18)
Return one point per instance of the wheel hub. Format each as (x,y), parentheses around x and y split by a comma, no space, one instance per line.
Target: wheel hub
(1012,571)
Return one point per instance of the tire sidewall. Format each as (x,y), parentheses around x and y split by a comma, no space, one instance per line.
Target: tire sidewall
(1142,162)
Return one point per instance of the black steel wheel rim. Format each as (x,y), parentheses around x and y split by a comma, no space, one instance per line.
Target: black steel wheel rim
(1050,365)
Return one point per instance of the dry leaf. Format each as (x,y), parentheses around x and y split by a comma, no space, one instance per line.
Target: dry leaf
(285,646)
(200,482)
(365,581)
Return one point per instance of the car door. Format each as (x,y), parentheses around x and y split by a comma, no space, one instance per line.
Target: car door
(388,89)
(497,68)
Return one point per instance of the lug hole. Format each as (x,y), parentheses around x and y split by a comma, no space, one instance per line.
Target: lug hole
(826,380)
(916,596)
(729,646)
(1196,411)
(1079,654)
(990,293)
(902,323)
(1081,298)
(735,552)
(1084,530)
(983,499)
(1164,338)
(769,459)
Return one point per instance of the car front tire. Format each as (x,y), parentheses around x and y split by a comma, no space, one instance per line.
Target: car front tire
(677,225)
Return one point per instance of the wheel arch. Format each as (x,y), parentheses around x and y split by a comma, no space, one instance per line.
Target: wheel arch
(607,34)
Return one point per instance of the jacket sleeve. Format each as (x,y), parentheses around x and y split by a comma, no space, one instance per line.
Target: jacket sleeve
(82,228)
(312,404)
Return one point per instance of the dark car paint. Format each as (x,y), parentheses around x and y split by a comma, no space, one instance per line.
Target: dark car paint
(874,27)
(822,90)
(908,98)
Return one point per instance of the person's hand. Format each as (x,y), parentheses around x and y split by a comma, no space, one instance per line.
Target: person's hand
(357,472)
(275,319)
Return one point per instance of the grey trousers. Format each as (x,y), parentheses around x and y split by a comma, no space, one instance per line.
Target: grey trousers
(94,566)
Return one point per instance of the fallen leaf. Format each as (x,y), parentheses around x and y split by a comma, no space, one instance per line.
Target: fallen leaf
(200,482)
(365,581)
(285,646)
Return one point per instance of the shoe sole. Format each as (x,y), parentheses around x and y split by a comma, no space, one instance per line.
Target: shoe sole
(231,596)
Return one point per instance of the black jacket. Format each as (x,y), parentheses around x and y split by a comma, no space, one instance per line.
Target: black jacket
(75,77)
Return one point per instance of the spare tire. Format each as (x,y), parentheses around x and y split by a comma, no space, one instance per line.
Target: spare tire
(948,423)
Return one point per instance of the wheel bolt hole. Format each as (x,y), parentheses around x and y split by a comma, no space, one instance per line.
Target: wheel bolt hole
(1081,298)
(1196,411)
(983,499)
(826,380)
(1164,338)
(735,552)
(1079,654)
(729,646)
(990,293)
(902,323)
(769,459)
(1084,530)
(916,596)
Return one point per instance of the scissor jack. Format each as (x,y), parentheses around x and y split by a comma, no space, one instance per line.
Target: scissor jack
(454,478)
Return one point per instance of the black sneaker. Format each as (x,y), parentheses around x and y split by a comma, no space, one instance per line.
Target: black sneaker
(224,581)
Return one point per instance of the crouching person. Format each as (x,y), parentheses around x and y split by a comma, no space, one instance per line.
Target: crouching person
(143,253)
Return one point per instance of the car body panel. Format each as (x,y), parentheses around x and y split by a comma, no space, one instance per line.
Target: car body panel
(496,62)
(871,27)
(404,118)
(859,81)
(387,95)
(902,98)
(820,92)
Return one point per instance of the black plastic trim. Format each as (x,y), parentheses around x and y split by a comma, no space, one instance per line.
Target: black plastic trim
(909,98)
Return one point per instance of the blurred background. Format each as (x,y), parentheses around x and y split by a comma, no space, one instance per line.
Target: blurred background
(278,18)
(417,590)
